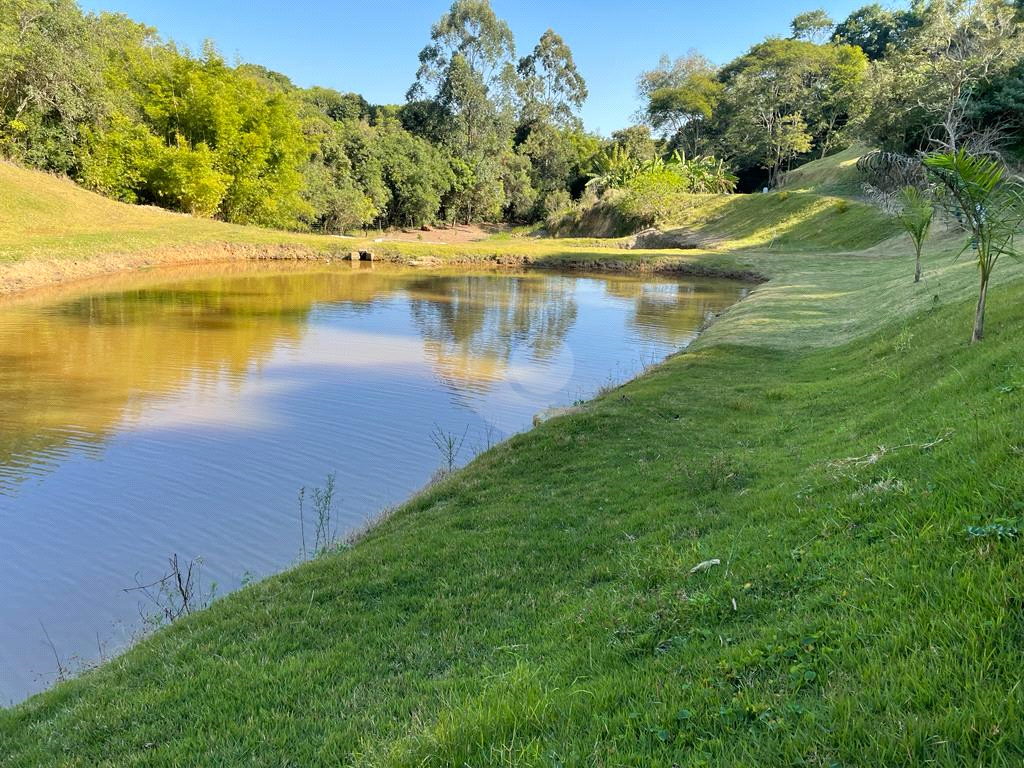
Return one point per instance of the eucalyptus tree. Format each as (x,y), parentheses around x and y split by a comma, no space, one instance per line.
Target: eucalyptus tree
(990,203)
(550,88)
(467,70)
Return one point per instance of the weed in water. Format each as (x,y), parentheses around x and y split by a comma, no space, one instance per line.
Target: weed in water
(177,593)
(326,528)
(449,445)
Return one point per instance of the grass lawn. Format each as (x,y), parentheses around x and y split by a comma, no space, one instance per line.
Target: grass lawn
(855,466)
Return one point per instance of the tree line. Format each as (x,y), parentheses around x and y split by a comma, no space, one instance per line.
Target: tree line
(941,74)
(486,134)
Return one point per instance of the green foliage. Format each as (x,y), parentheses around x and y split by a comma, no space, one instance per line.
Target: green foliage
(653,196)
(119,161)
(550,88)
(915,216)
(465,71)
(186,179)
(813,26)
(519,194)
(417,175)
(657,178)
(50,81)
(614,168)
(989,203)
(1006,530)
(877,30)
(681,98)
(786,98)
(923,94)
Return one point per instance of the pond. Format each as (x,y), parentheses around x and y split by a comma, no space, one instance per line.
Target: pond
(180,413)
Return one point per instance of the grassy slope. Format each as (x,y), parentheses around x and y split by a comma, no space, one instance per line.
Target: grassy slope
(88,226)
(834,175)
(830,440)
(48,216)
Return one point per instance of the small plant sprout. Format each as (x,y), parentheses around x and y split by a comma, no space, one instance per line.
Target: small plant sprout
(915,216)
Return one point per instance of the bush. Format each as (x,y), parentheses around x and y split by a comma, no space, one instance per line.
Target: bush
(652,197)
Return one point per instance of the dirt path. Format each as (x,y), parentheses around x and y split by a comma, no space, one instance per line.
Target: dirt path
(461,233)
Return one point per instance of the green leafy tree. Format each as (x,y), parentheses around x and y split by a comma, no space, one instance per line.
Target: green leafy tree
(519,194)
(877,30)
(921,95)
(989,203)
(681,97)
(336,105)
(417,174)
(186,179)
(813,26)
(915,216)
(554,161)
(51,82)
(120,160)
(784,98)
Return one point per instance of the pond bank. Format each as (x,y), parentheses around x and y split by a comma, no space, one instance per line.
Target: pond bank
(31,273)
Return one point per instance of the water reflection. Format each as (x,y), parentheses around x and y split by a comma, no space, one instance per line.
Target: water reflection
(180,412)
(472,325)
(70,373)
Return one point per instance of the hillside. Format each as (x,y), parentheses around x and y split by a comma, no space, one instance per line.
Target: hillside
(50,216)
(833,175)
(833,440)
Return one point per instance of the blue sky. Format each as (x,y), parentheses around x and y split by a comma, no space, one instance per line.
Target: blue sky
(371,47)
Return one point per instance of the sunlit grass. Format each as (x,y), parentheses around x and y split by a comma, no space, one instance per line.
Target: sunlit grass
(834,440)
(834,175)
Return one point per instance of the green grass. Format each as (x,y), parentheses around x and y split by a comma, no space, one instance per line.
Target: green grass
(790,221)
(45,216)
(833,175)
(833,440)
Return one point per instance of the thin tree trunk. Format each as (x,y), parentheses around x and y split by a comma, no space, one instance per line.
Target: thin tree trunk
(979,315)
(917,267)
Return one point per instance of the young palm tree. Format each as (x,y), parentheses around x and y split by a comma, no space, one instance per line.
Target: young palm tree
(915,216)
(991,205)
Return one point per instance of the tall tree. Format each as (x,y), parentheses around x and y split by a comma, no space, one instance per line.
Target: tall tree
(786,97)
(467,70)
(813,26)
(877,30)
(681,97)
(51,80)
(550,89)
(921,95)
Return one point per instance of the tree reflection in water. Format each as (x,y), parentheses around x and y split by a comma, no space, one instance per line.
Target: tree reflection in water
(472,326)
